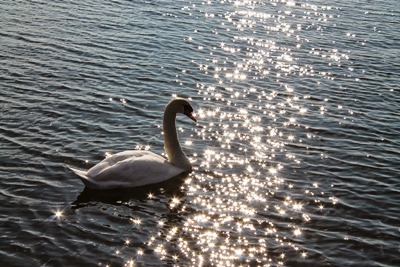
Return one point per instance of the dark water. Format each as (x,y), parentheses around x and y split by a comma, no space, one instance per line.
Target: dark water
(295,151)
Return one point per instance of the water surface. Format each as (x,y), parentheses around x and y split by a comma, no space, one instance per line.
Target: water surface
(295,152)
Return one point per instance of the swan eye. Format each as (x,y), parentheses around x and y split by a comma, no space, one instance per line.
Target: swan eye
(187,109)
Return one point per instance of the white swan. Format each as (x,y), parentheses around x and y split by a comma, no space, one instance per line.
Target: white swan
(140,167)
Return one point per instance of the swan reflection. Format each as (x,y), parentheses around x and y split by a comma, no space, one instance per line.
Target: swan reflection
(171,187)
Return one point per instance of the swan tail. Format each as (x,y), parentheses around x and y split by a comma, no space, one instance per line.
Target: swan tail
(82,174)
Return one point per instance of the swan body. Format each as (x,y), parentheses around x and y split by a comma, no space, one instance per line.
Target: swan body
(133,168)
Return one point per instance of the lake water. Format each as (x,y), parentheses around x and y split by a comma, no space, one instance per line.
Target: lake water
(295,151)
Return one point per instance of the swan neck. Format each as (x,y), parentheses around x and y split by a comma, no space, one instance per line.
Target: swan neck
(171,142)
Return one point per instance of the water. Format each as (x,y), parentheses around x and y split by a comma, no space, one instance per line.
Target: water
(295,151)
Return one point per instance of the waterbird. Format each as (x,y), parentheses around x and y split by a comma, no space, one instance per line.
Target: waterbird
(134,168)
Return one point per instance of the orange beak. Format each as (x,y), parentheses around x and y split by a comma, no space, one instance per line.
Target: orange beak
(191,116)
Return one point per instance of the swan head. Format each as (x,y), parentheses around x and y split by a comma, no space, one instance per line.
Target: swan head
(181,105)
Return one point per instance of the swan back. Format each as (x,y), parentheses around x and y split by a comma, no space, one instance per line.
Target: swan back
(129,169)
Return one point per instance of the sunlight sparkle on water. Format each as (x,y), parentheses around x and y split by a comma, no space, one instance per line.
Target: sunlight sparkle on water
(130,263)
(241,204)
(297,232)
(58,214)
(174,201)
(136,221)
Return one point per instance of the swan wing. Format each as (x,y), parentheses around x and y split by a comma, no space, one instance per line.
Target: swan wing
(114,159)
(130,169)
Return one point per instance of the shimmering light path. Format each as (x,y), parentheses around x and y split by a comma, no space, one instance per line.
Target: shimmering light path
(239,208)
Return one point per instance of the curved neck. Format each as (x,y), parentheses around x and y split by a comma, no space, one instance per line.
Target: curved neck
(171,143)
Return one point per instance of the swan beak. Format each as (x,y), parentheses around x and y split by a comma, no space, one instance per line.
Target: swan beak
(191,116)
